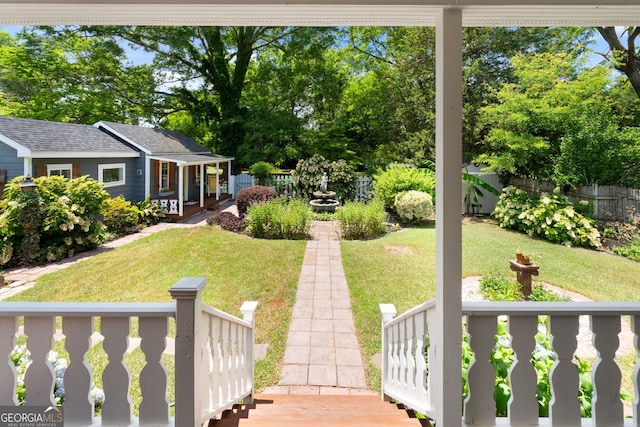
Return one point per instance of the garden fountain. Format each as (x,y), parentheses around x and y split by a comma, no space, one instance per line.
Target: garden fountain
(324,199)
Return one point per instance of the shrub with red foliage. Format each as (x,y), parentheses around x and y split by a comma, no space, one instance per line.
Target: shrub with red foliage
(256,194)
(227,221)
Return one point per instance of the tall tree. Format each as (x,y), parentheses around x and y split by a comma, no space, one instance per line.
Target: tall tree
(624,57)
(72,79)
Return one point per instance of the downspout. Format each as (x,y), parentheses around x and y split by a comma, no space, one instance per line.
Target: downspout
(448,217)
(217,181)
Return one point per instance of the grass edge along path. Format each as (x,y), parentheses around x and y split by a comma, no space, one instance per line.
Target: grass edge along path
(399,268)
(237,267)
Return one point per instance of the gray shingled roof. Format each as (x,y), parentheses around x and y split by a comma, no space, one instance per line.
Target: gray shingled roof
(158,141)
(40,135)
(193,159)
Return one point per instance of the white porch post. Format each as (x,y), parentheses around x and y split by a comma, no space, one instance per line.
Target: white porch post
(448,217)
(147,176)
(203,179)
(28,166)
(217,181)
(180,190)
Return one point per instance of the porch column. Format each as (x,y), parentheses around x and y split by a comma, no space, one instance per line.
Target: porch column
(217,181)
(28,167)
(180,190)
(148,173)
(203,179)
(448,217)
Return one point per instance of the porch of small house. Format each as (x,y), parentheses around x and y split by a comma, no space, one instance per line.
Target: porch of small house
(191,207)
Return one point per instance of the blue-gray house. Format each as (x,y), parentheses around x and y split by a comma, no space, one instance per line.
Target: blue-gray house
(136,162)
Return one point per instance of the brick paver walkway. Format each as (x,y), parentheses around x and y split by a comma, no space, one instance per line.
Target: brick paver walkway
(322,354)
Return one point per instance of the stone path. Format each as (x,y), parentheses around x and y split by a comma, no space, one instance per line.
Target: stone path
(322,354)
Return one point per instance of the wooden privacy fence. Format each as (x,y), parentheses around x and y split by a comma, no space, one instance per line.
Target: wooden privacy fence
(609,201)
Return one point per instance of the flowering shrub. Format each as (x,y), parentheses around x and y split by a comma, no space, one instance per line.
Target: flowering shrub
(21,358)
(247,196)
(398,179)
(58,219)
(308,175)
(414,206)
(226,221)
(551,216)
(279,218)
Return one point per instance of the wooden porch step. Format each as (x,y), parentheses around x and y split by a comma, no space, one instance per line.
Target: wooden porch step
(289,410)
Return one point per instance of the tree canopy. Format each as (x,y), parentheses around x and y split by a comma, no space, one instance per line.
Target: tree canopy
(363,94)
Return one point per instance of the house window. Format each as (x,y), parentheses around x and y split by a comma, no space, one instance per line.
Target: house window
(164,176)
(59,170)
(112,174)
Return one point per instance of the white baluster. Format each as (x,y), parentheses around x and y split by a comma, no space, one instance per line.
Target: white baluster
(8,328)
(233,360)
(116,408)
(402,350)
(216,363)
(523,406)
(40,377)
(395,359)
(420,356)
(564,409)
(480,407)
(224,346)
(606,404)
(78,379)
(410,354)
(154,408)
(635,326)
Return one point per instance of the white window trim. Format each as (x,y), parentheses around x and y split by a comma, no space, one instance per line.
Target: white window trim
(122,166)
(64,166)
(161,176)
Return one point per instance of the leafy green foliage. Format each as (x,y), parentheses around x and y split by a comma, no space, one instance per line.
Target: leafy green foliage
(58,219)
(414,206)
(256,194)
(262,171)
(397,179)
(279,218)
(120,216)
(630,250)
(308,175)
(497,287)
(542,359)
(360,220)
(227,221)
(550,216)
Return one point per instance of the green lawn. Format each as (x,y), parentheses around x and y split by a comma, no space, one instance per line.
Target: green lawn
(400,269)
(237,267)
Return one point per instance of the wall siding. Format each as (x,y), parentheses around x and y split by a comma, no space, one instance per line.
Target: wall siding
(10,161)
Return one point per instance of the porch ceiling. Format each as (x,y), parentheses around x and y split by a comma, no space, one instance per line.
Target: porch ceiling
(319,12)
(191,159)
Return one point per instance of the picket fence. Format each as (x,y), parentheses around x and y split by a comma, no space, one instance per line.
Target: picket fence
(609,201)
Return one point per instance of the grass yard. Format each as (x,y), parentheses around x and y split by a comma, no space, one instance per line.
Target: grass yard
(238,269)
(400,269)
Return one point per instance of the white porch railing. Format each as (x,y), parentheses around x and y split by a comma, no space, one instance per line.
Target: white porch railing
(213,350)
(406,354)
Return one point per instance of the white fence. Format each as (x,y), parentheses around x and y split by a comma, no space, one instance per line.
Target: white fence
(213,357)
(407,354)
